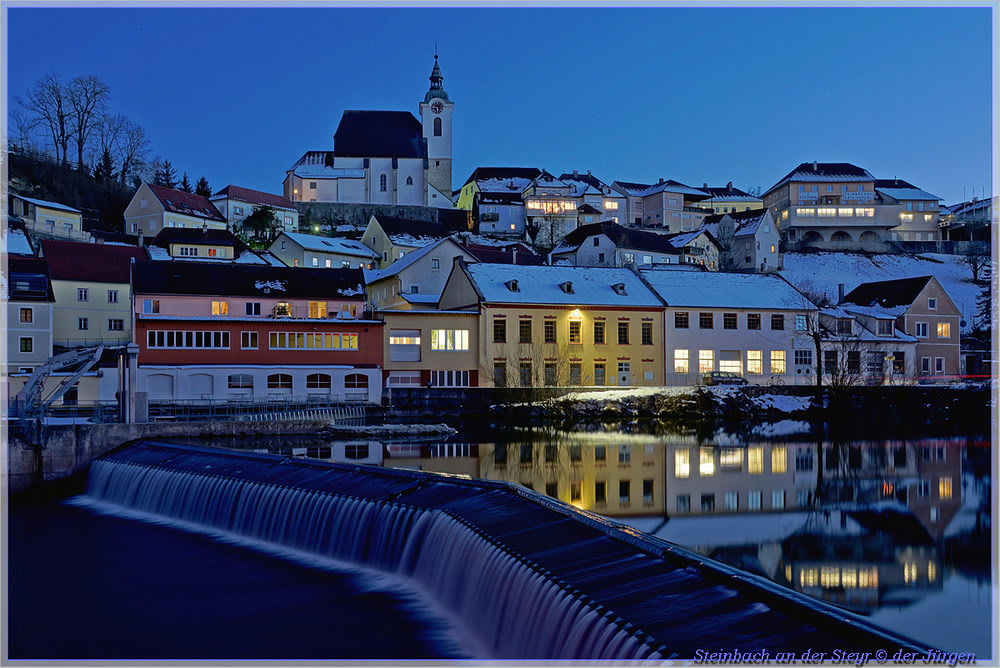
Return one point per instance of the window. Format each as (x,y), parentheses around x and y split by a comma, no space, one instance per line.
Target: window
(598,332)
(706,461)
(681,320)
(754,500)
(755,364)
(885,328)
(27,315)
(623,333)
(938,365)
(240,381)
(777,499)
(803,358)
(186,339)
(318,381)
(779,459)
(728,321)
(279,381)
(116,325)
(804,459)
(220,308)
(944,330)
(853,361)
(500,374)
(549,331)
(682,462)
(624,492)
(777,321)
(705,321)
(574,332)
(404,345)
(314,341)
(575,373)
(499,330)
(82,294)
(437,127)
(253,308)
(681,361)
(248,340)
(524,331)
(706,361)
(435,263)
(683,503)
(731,459)
(550,374)
(575,491)
(524,371)
(26,344)
(753,320)
(382,182)
(599,374)
(708,503)
(777,361)
(82,323)
(647,333)
(755,459)
(449,339)
(317,309)
(944,488)
(112,296)
(409,179)
(920,330)
(601,491)
(624,455)
(731,502)
(647,492)
(932,303)
(356,381)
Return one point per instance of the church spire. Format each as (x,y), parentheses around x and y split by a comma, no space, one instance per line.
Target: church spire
(437,83)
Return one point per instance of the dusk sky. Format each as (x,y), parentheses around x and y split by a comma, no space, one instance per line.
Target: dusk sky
(696,93)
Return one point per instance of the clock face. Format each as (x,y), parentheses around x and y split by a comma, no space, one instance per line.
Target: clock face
(437,106)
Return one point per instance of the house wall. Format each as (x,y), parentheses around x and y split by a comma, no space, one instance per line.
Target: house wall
(409,363)
(939,351)
(201,250)
(57,221)
(38,329)
(98,309)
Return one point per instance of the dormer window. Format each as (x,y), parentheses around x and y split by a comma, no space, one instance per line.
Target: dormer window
(885,327)
(619,289)
(512,285)
(282,310)
(844,326)
(567,287)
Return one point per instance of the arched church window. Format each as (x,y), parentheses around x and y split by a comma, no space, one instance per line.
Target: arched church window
(437,127)
(409,180)
(382,182)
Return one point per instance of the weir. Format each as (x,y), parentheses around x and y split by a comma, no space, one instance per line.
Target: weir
(531,577)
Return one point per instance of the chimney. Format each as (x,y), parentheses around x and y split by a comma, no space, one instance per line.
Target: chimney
(513,255)
(661,179)
(815,166)
(705,184)
(576,174)
(840,293)
(729,186)
(140,239)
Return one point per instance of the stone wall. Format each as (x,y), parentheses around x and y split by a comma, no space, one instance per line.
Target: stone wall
(333,214)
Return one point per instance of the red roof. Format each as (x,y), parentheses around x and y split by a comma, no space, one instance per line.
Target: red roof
(82,261)
(187,204)
(254,197)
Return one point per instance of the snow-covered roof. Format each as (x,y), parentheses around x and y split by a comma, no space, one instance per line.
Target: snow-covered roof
(511,184)
(331,244)
(18,243)
(907,194)
(576,286)
(46,204)
(323,172)
(714,289)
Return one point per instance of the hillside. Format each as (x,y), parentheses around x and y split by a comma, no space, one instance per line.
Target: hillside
(820,273)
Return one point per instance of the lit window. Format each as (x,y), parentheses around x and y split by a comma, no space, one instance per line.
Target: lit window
(317,309)
(755,459)
(682,463)
(706,361)
(944,488)
(755,364)
(944,330)
(574,331)
(779,459)
(777,361)
(220,308)
(27,315)
(706,461)
(681,361)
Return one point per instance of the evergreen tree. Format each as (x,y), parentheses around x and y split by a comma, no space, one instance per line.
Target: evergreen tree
(185,185)
(165,175)
(261,223)
(983,321)
(202,188)
(105,169)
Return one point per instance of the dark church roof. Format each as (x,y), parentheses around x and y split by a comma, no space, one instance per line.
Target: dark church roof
(379,134)
(239,280)
(887,294)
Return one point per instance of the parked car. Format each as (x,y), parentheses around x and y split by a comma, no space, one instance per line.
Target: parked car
(723,378)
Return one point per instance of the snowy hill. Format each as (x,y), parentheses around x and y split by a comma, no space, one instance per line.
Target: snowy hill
(820,273)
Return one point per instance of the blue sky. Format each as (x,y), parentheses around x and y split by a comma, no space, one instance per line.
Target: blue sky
(691,93)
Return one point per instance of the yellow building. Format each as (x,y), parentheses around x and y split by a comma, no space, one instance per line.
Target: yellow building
(52,218)
(428,348)
(154,208)
(561,326)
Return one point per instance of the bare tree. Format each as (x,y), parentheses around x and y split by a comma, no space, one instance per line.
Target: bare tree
(87,98)
(133,147)
(47,104)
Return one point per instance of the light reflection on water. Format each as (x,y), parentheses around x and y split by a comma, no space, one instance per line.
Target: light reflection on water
(896,530)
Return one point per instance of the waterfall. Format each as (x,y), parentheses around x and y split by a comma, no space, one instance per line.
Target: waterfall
(517,610)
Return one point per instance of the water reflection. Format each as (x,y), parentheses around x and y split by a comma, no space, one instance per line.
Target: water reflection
(869,526)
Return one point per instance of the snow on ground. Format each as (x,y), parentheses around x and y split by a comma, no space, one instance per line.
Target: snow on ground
(820,273)
(783,402)
(782,428)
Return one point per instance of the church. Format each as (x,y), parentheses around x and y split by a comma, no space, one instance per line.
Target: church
(383,157)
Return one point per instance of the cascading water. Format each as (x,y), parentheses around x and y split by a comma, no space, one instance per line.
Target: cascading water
(519,611)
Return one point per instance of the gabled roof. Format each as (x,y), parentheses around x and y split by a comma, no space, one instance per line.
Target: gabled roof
(418,229)
(634,189)
(411,258)
(676,187)
(81,261)
(28,280)
(379,134)
(187,204)
(746,222)
(241,280)
(715,289)
(587,178)
(899,189)
(825,171)
(319,165)
(512,254)
(588,208)
(493,197)
(45,204)
(196,236)
(727,192)
(481,174)
(254,197)
(888,294)
(682,239)
(622,237)
(587,286)
(339,245)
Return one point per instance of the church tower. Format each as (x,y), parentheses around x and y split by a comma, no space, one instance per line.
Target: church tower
(435,116)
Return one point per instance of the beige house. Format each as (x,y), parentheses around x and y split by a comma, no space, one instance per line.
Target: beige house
(429,348)
(92,292)
(917,210)
(416,279)
(727,199)
(561,326)
(923,310)
(236,203)
(154,208)
(312,250)
(52,218)
(201,245)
